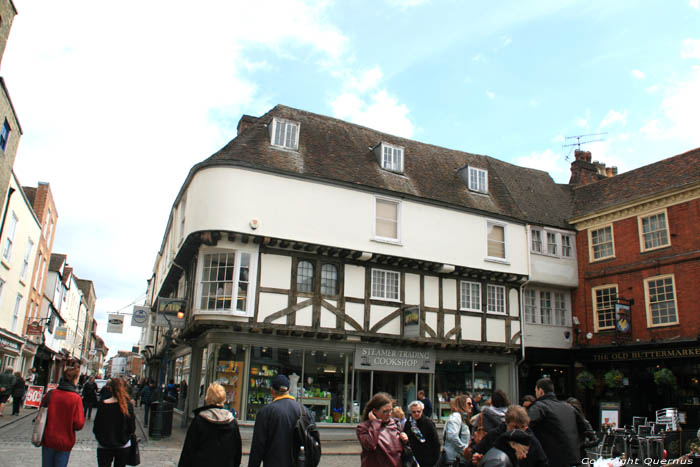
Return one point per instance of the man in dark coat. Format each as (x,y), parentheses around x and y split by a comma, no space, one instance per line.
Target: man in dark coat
(422,435)
(7,380)
(213,438)
(89,397)
(17,393)
(272,434)
(555,424)
(508,451)
(427,405)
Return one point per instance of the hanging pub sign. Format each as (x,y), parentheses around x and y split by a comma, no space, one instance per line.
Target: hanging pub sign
(623,321)
(394,359)
(139,317)
(115,323)
(34,329)
(411,321)
(61,332)
(171,312)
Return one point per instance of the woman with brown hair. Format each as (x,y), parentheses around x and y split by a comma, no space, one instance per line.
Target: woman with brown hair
(457,432)
(114,425)
(382,441)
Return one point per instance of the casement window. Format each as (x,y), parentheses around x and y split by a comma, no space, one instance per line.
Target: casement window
(306,273)
(387,220)
(552,243)
(15,314)
(305,276)
(385,284)
(225,281)
(604,300)
(536,241)
(661,301)
(27,256)
(469,296)
(329,279)
(285,134)
(4,135)
(478,180)
(546,307)
(496,299)
(601,241)
(496,247)
(392,158)
(530,302)
(566,246)
(560,309)
(10,239)
(654,231)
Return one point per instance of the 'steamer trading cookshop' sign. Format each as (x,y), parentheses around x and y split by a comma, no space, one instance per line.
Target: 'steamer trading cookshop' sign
(394,359)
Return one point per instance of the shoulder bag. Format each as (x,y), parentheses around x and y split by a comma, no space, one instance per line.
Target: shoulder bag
(40,421)
(134,457)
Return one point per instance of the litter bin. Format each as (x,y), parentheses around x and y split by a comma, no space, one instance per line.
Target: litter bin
(166,428)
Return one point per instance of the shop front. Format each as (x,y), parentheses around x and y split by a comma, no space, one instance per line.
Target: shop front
(336,379)
(10,351)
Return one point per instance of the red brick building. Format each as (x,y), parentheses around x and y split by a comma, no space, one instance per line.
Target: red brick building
(637,308)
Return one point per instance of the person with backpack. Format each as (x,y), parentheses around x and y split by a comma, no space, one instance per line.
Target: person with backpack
(277,435)
(213,438)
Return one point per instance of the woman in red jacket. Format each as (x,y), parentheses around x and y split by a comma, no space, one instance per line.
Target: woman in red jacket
(382,441)
(65,417)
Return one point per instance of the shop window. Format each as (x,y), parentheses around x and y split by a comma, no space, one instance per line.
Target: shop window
(322,387)
(452,378)
(265,364)
(230,374)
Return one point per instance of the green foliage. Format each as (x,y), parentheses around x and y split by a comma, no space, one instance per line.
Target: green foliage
(585,380)
(613,379)
(664,377)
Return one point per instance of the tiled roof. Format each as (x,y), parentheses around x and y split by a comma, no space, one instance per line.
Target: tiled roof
(57,261)
(661,177)
(337,151)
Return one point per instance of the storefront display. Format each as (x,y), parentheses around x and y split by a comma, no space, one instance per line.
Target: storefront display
(230,375)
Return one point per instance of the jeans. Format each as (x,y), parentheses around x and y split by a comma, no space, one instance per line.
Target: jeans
(105,456)
(53,458)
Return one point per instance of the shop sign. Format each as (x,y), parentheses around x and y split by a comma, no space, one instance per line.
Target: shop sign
(171,312)
(33,396)
(394,359)
(115,323)
(34,329)
(647,354)
(8,344)
(61,332)
(411,321)
(139,317)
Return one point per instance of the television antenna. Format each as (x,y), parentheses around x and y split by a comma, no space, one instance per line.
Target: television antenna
(582,139)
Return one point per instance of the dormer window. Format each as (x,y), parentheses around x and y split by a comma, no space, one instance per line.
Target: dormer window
(285,133)
(478,180)
(390,157)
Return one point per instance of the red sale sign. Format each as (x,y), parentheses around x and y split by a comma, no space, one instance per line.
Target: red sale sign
(33,396)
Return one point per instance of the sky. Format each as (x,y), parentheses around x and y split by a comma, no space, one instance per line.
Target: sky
(118,100)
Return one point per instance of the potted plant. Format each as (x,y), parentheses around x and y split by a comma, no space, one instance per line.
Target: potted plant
(585,380)
(664,377)
(613,379)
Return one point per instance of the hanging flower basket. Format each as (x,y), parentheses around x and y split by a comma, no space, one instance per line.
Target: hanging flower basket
(664,377)
(585,380)
(613,379)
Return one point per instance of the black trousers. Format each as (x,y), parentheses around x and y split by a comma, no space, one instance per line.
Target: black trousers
(16,404)
(105,457)
(87,410)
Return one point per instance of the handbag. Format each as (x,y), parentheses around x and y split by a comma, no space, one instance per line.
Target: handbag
(40,421)
(134,457)
(407,457)
(443,462)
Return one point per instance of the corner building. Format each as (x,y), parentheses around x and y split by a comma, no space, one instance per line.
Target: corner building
(352,261)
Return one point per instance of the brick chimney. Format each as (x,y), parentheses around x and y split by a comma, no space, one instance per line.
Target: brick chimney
(245,122)
(583,171)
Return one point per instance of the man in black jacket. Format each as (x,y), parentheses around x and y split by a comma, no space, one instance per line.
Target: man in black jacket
(554,422)
(272,434)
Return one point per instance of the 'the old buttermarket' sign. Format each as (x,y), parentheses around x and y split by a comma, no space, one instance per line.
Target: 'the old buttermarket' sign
(647,354)
(394,359)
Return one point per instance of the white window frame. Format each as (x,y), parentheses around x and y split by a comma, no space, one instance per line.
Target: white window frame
(470,287)
(15,312)
(594,302)
(27,255)
(640,224)
(386,273)
(497,259)
(560,312)
(378,238)
(397,157)
(554,235)
(591,249)
(478,180)
(570,246)
(252,275)
(489,304)
(536,233)
(10,238)
(647,300)
(287,125)
(530,307)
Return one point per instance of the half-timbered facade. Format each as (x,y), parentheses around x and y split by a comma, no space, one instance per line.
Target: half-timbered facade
(351,260)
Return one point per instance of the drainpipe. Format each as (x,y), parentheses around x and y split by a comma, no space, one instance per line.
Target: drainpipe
(7,206)
(522,307)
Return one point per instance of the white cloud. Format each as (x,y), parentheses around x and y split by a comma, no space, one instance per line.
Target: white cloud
(478,58)
(652,89)
(690,49)
(614,117)
(367,80)
(549,161)
(404,4)
(695,4)
(558,139)
(380,111)
(490,95)
(584,122)
(680,108)
(652,130)
(638,74)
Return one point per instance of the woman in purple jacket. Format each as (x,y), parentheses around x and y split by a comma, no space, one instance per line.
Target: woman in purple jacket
(382,441)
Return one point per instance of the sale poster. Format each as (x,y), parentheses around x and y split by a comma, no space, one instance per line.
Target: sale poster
(33,396)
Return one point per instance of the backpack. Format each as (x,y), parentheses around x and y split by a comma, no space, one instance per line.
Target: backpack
(305,433)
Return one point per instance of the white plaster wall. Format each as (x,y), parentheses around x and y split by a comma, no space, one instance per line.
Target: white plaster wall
(538,335)
(271,303)
(471,328)
(378,313)
(514,328)
(289,208)
(449,294)
(513,302)
(431,296)
(304,316)
(357,312)
(276,271)
(554,271)
(327,317)
(495,330)
(431,319)
(449,322)
(412,289)
(354,281)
